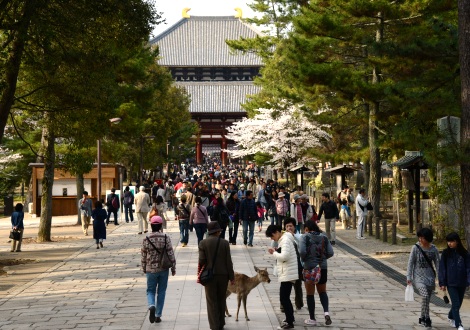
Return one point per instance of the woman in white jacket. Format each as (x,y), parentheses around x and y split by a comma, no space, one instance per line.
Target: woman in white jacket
(287,269)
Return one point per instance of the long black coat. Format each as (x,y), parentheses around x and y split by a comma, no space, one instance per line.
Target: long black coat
(99,223)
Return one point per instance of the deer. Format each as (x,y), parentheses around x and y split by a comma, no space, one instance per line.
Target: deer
(243,286)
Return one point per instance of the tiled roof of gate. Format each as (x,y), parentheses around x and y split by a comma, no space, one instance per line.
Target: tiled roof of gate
(200,41)
(218,97)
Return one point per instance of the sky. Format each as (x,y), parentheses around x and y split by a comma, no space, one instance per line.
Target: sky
(172,10)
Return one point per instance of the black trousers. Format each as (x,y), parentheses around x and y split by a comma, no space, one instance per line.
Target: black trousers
(215,300)
(284,295)
(113,211)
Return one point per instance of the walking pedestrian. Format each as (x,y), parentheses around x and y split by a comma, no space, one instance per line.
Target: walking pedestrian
(287,269)
(85,206)
(161,208)
(128,201)
(17,224)
(315,249)
(199,219)
(454,276)
(282,208)
(421,271)
(112,203)
(183,211)
(233,205)
(260,212)
(222,215)
(99,226)
(142,208)
(154,246)
(331,215)
(216,248)
(248,216)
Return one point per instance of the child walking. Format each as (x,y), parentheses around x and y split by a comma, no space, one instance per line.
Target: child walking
(260,211)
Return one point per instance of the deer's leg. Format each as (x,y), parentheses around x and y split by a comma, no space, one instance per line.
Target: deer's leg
(239,301)
(226,309)
(244,306)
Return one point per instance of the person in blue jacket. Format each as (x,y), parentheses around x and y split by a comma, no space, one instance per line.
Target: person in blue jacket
(17,224)
(454,276)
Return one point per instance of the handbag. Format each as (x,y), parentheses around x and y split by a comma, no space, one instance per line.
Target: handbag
(314,275)
(446,299)
(153,212)
(206,275)
(409,293)
(15,235)
(165,262)
(369,206)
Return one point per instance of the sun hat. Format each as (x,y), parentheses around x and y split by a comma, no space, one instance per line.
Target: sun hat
(156,220)
(281,194)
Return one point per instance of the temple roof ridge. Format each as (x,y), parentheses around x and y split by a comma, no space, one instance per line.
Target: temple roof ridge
(201,41)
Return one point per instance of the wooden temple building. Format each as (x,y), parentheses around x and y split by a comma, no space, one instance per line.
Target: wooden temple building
(217,80)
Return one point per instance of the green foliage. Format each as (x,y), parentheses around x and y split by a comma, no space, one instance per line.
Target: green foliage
(446,208)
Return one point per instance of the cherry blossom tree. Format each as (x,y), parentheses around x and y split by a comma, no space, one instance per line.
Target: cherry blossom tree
(284,135)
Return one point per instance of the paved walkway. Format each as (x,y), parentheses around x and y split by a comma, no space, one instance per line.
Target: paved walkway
(105,289)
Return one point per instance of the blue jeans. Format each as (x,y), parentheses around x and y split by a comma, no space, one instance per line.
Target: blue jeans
(128,212)
(200,229)
(456,294)
(154,280)
(184,227)
(273,219)
(247,224)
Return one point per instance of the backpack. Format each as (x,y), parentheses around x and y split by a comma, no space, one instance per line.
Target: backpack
(224,218)
(115,202)
(182,212)
(128,199)
(210,210)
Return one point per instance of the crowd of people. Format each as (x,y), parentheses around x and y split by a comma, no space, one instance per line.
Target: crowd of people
(212,202)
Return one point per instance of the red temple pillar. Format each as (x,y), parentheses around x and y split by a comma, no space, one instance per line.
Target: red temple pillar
(199,150)
(223,155)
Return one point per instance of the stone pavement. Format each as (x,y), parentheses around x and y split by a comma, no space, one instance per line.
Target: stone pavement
(105,289)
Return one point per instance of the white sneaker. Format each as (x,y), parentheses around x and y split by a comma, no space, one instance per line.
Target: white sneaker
(461,328)
(310,322)
(452,323)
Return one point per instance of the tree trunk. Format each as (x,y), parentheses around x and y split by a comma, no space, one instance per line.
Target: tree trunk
(375,164)
(80,189)
(44,233)
(12,64)
(464,52)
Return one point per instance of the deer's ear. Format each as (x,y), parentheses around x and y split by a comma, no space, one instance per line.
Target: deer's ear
(256,269)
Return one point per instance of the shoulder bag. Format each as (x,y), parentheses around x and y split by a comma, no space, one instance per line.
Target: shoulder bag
(313,276)
(206,275)
(165,262)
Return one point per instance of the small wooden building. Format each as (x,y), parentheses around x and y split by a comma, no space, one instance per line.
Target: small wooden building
(64,191)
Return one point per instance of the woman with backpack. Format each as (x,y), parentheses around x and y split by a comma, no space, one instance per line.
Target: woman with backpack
(221,215)
(128,201)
